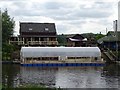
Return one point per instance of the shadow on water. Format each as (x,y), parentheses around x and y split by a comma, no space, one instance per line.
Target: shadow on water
(111,70)
(10,72)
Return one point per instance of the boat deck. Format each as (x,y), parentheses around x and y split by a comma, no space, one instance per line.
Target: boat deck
(63,63)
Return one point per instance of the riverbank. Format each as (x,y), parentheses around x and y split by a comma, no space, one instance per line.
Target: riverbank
(10,62)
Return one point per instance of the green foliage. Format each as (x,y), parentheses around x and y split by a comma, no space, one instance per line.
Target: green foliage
(7,49)
(61,40)
(98,36)
(92,35)
(88,35)
(7,30)
(0,86)
(7,26)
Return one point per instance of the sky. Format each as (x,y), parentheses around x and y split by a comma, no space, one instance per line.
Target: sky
(69,16)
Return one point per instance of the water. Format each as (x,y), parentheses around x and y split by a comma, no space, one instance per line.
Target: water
(64,77)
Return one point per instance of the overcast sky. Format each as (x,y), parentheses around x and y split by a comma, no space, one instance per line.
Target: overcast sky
(69,16)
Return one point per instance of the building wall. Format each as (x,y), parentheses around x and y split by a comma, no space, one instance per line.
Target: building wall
(111,45)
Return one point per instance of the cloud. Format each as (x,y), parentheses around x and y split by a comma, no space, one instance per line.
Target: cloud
(70,16)
(89,13)
(53,5)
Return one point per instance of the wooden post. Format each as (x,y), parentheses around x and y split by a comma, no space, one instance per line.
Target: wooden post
(31,41)
(18,40)
(39,40)
(59,58)
(23,41)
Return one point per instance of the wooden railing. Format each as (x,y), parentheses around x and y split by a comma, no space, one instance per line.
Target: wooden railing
(43,42)
(16,42)
(34,42)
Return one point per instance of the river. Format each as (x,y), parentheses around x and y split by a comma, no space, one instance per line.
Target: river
(64,77)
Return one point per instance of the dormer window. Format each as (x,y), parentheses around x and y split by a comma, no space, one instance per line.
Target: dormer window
(30,29)
(46,29)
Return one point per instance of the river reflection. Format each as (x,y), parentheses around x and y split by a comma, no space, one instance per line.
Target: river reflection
(64,77)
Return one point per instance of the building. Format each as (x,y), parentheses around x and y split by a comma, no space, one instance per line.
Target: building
(76,40)
(111,41)
(36,34)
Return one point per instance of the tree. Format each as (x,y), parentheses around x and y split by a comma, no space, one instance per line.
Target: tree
(7,30)
(98,36)
(61,40)
(7,27)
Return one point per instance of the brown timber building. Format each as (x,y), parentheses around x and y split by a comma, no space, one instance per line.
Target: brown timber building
(36,34)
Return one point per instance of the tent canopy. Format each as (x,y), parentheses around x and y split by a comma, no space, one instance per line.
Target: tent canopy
(60,51)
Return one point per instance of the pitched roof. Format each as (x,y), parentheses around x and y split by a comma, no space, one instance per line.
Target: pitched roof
(78,36)
(111,37)
(75,36)
(37,27)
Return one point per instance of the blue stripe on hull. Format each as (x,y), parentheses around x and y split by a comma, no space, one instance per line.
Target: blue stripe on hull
(65,64)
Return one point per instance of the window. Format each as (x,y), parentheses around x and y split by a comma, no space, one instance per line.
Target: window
(30,29)
(46,29)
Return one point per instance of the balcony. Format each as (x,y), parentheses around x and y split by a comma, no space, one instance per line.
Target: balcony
(42,43)
(34,42)
(16,42)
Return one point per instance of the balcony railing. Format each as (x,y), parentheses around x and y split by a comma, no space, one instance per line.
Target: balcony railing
(16,42)
(34,42)
(43,42)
